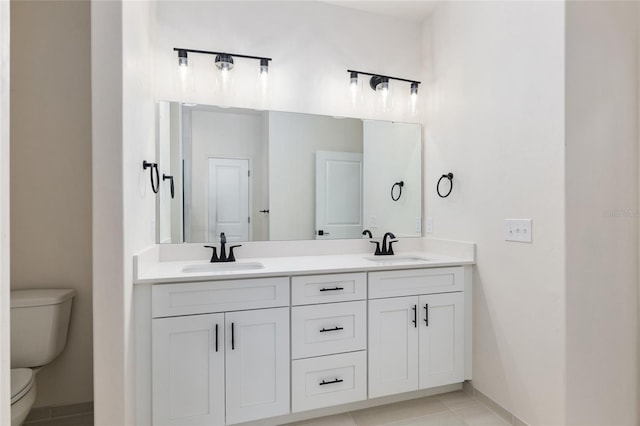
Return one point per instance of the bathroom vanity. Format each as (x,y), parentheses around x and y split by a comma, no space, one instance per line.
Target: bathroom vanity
(278,339)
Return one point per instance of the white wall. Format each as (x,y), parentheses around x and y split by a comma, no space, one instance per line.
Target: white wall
(139,143)
(5,357)
(392,153)
(51,177)
(293,142)
(109,313)
(602,212)
(124,207)
(495,80)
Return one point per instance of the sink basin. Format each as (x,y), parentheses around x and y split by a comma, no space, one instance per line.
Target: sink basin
(396,259)
(223,266)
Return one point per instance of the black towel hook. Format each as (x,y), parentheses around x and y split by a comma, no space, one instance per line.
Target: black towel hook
(155,183)
(447,176)
(165,177)
(399,185)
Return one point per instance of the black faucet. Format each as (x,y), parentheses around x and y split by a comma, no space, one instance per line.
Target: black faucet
(223,252)
(387,247)
(367,232)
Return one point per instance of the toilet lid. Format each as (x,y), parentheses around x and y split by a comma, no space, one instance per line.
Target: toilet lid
(21,382)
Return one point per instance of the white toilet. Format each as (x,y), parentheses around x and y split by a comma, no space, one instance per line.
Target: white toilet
(39,324)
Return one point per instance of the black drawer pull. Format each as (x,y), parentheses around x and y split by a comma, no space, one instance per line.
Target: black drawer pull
(233,337)
(323,382)
(415,316)
(324,330)
(426,314)
(332,289)
(216,337)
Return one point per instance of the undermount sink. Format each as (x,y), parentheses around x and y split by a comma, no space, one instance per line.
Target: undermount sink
(395,259)
(223,266)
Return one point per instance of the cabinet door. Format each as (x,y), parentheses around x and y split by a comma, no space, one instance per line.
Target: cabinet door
(441,339)
(188,370)
(257,364)
(393,346)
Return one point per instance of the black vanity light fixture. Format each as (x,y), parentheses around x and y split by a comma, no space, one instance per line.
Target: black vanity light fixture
(223,60)
(379,82)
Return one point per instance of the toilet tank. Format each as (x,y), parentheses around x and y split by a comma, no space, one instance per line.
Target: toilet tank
(39,325)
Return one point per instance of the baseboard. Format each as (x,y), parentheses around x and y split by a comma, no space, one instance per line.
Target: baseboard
(507,415)
(71,414)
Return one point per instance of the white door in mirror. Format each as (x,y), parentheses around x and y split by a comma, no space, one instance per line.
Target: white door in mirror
(228,199)
(338,195)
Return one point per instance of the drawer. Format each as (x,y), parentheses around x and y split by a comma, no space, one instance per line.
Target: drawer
(328,329)
(218,296)
(411,282)
(328,381)
(328,288)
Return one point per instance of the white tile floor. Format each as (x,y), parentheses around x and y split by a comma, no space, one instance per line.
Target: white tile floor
(449,409)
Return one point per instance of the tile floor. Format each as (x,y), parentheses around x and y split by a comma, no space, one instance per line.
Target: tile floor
(449,409)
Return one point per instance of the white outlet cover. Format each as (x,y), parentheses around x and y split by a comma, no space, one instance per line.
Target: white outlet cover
(429,225)
(518,230)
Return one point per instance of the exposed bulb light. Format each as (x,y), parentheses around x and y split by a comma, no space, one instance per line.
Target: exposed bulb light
(354,80)
(379,83)
(183,61)
(264,67)
(414,90)
(224,62)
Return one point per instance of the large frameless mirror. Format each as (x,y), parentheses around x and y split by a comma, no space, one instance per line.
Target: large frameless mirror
(268,175)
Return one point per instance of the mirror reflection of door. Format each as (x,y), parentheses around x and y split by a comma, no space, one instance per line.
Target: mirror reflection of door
(228,195)
(338,195)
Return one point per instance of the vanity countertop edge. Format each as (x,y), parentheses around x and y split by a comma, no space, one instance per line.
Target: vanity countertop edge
(171,271)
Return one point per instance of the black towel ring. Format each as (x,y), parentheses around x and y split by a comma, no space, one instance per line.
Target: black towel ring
(399,185)
(155,183)
(447,176)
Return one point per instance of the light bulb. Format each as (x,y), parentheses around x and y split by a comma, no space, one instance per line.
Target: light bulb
(224,62)
(183,61)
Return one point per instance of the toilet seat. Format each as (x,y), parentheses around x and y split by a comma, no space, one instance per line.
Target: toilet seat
(22,380)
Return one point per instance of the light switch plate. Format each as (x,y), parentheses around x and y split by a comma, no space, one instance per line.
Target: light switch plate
(518,230)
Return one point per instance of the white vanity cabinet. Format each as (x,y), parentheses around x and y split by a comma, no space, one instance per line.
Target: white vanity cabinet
(220,368)
(267,350)
(416,340)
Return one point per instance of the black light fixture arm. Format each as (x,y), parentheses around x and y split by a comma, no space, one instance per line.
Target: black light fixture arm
(209,52)
(384,76)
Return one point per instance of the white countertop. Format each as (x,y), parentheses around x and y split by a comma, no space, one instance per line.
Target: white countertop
(172,271)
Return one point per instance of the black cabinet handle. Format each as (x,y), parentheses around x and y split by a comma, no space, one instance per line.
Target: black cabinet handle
(165,177)
(216,337)
(415,316)
(332,289)
(324,330)
(233,337)
(426,314)
(264,211)
(324,382)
